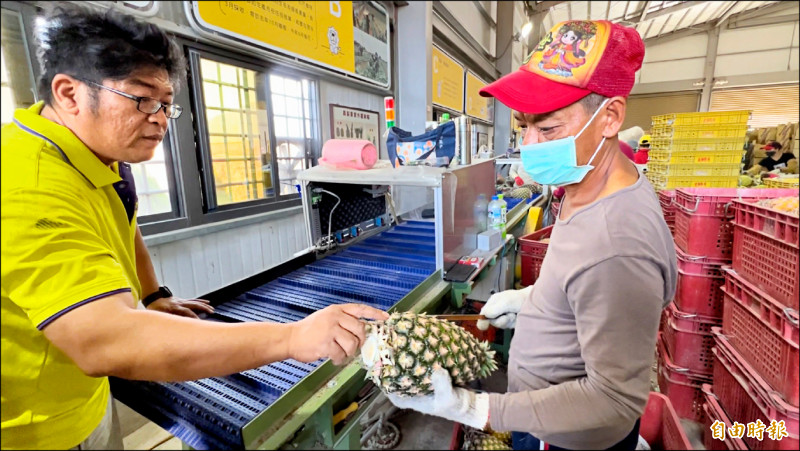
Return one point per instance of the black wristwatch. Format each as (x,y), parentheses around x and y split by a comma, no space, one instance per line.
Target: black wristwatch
(163,292)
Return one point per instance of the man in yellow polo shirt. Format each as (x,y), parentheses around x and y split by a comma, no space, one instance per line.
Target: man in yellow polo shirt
(74,265)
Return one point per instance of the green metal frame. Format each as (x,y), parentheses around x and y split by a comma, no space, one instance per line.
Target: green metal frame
(304,414)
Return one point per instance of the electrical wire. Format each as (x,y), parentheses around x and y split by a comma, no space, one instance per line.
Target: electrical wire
(331,241)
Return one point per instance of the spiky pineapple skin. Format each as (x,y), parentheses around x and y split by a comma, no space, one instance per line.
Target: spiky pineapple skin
(490,442)
(419,345)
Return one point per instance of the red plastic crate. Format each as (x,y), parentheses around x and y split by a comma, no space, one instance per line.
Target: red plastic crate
(714,412)
(532,252)
(718,201)
(765,333)
(702,220)
(699,280)
(660,426)
(746,397)
(703,235)
(768,222)
(688,339)
(769,264)
(680,385)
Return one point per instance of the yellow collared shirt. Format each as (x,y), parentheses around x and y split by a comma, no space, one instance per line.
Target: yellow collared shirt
(67,239)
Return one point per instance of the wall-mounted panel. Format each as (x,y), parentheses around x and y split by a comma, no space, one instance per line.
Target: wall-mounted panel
(755,38)
(447,81)
(673,70)
(751,63)
(688,47)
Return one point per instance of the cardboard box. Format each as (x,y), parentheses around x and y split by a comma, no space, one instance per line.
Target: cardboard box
(772,133)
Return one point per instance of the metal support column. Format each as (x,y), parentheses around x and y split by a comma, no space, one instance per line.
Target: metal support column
(415,31)
(708,74)
(502,113)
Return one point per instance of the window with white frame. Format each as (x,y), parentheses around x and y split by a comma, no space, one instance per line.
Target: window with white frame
(152,184)
(16,73)
(241,162)
(293,118)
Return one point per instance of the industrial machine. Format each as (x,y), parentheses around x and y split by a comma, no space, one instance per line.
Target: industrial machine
(358,251)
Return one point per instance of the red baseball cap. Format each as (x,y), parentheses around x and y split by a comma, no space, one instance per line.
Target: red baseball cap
(576,58)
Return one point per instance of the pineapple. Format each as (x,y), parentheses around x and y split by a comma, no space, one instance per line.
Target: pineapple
(504,436)
(489,442)
(401,353)
(475,439)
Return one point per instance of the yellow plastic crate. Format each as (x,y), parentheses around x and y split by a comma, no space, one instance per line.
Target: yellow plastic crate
(693,132)
(692,157)
(786,182)
(694,170)
(738,117)
(660,182)
(698,144)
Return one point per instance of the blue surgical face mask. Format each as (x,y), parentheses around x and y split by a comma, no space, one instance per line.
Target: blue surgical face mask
(556,162)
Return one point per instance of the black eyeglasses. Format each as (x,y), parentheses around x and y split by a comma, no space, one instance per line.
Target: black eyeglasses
(147,105)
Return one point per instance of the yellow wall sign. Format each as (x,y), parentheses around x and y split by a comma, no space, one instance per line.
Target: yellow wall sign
(325,32)
(448,81)
(477,106)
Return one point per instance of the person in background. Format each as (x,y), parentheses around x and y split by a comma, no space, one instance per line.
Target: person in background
(776,159)
(585,332)
(74,264)
(631,136)
(643,151)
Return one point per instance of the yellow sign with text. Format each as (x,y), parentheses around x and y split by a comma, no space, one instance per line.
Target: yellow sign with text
(477,106)
(448,81)
(320,31)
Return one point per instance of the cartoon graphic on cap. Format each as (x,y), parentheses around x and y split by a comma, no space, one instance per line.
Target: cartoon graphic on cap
(565,53)
(570,52)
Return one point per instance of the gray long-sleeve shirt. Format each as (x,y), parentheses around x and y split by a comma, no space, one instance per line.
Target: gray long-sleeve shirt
(579,366)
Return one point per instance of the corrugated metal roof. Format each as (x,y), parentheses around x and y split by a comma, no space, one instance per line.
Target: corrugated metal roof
(654,19)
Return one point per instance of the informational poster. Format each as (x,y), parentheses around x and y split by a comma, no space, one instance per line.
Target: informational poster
(350,37)
(355,123)
(448,81)
(477,106)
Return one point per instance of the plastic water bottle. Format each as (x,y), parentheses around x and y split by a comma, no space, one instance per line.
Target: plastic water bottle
(480,211)
(503,214)
(496,219)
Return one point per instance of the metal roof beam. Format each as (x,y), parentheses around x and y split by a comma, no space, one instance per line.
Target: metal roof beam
(541,6)
(726,14)
(643,12)
(756,21)
(671,36)
(672,9)
(738,19)
(769,9)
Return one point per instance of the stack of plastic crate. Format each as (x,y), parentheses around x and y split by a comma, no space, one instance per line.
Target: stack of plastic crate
(697,149)
(666,199)
(704,244)
(756,363)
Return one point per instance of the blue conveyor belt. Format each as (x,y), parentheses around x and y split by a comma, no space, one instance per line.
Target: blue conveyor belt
(210,413)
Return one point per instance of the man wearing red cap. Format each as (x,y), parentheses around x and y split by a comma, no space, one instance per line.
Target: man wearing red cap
(579,366)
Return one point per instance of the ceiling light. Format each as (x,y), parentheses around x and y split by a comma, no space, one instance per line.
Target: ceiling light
(526,29)
(699,83)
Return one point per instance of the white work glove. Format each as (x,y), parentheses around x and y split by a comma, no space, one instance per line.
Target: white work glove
(502,308)
(452,403)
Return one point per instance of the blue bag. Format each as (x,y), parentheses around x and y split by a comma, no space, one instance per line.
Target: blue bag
(439,142)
